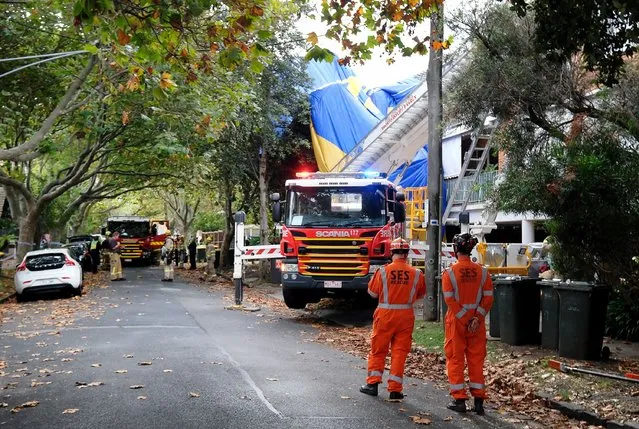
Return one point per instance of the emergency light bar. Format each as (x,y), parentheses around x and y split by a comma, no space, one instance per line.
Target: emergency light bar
(327,175)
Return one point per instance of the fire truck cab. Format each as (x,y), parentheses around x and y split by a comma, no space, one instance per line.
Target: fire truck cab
(336,232)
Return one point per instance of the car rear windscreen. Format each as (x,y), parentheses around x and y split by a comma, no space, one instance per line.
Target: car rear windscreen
(51,261)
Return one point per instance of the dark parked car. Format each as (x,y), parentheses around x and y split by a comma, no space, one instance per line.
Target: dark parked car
(79,250)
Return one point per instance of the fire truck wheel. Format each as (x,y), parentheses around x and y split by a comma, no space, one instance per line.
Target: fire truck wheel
(294,298)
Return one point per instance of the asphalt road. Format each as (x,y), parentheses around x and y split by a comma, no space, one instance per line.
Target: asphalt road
(245,370)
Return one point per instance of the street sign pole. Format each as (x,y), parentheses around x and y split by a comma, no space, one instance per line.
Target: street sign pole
(240,218)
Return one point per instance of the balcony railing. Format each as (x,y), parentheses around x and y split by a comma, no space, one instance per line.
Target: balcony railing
(479,190)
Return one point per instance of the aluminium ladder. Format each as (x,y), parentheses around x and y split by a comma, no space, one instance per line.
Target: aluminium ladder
(474,161)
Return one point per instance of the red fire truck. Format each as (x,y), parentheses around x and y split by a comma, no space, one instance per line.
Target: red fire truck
(138,240)
(336,232)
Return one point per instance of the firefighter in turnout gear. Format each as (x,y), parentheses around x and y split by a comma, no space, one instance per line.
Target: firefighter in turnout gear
(114,257)
(397,286)
(468,292)
(169,254)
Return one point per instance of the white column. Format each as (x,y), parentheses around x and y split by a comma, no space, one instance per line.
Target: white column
(527,231)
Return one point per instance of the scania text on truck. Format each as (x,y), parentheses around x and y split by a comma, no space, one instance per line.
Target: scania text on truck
(336,233)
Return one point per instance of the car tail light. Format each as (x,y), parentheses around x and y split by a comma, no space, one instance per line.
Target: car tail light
(22,266)
(68,261)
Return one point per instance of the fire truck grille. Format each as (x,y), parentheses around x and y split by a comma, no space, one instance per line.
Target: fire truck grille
(131,249)
(337,257)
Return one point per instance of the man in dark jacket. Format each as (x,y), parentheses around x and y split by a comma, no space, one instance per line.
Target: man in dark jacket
(94,251)
(192,252)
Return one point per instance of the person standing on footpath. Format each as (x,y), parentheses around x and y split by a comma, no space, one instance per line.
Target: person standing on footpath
(468,292)
(169,254)
(397,286)
(94,251)
(114,257)
(192,252)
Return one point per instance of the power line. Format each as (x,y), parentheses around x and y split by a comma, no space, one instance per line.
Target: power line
(2,60)
(50,58)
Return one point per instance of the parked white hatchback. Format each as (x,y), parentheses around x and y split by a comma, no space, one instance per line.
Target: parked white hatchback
(48,270)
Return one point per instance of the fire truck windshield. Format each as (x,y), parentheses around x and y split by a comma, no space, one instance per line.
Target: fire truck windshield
(336,207)
(129,229)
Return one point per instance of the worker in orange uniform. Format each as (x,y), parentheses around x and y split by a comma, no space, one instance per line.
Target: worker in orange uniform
(468,292)
(397,286)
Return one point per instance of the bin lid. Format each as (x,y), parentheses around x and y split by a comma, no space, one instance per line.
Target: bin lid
(577,286)
(510,279)
(547,282)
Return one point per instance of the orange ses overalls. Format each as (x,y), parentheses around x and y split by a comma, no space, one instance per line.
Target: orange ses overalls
(468,292)
(397,286)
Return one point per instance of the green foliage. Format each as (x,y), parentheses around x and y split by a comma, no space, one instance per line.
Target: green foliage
(209,221)
(623,314)
(8,232)
(570,156)
(186,36)
(590,190)
(606,32)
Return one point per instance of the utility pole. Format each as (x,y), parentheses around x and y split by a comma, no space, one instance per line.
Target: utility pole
(434,80)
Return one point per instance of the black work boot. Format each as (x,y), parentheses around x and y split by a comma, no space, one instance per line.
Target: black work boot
(458,405)
(396,396)
(479,406)
(369,389)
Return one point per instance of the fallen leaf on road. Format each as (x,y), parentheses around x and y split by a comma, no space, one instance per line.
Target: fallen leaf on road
(29,404)
(168,370)
(403,410)
(82,385)
(345,397)
(128,356)
(70,411)
(137,386)
(146,363)
(194,395)
(121,371)
(448,419)
(272,379)
(39,383)
(142,398)
(66,359)
(3,405)
(96,365)
(421,420)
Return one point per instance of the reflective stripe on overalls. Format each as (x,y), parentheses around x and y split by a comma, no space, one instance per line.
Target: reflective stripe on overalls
(480,293)
(386,305)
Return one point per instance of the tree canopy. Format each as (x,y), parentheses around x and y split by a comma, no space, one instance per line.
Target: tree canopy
(605,32)
(571,145)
